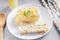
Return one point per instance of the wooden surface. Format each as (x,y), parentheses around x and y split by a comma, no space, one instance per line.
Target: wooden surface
(2,23)
(1,33)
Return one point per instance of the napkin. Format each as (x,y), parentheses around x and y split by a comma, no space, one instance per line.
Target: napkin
(53,12)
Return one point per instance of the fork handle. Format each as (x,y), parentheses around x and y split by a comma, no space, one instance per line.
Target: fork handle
(1,33)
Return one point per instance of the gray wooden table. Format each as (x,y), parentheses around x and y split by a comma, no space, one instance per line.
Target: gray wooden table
(52,35)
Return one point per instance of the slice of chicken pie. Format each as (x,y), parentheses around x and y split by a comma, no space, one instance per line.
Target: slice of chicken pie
(27,15)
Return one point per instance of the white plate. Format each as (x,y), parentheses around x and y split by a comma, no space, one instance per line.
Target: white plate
(45,18)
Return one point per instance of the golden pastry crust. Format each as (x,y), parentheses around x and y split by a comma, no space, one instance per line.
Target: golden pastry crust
(25,16)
